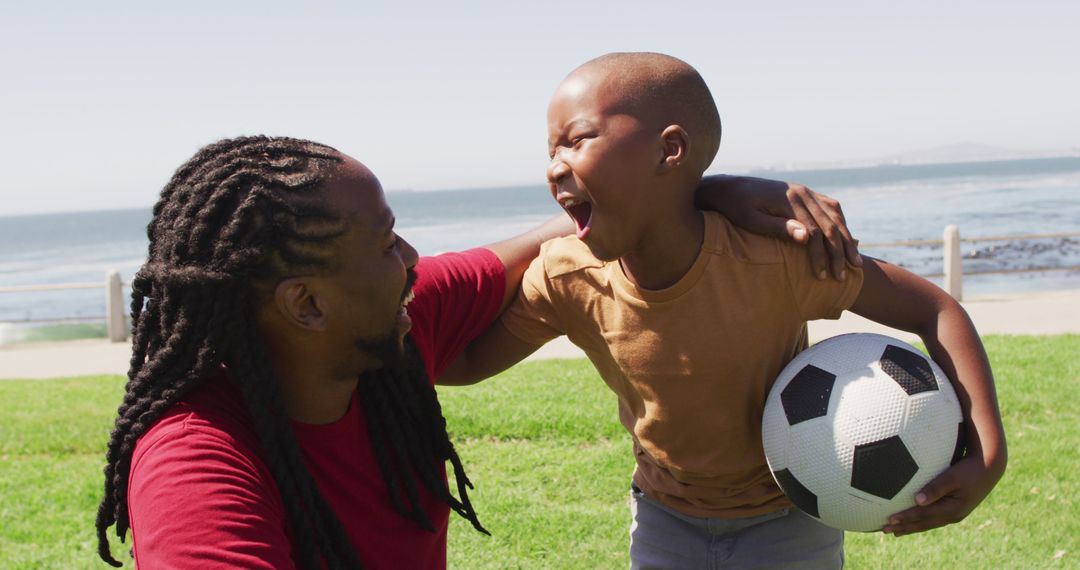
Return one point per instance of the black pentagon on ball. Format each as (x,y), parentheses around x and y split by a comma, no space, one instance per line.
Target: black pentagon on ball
(807,395)
(910,370)
(882,467)
(803,498)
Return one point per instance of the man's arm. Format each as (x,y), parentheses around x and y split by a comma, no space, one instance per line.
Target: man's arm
(897,298)
(785,210)
(778,209)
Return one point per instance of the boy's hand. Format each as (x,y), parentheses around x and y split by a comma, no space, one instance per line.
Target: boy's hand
(785,210)
(948,499)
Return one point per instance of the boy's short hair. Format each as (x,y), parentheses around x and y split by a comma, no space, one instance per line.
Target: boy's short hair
(668,89)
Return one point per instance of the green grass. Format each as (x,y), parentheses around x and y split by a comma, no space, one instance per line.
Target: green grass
(52,438)
(552,466)
(23,334)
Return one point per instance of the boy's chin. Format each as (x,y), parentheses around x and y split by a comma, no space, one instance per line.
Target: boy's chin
(600,252)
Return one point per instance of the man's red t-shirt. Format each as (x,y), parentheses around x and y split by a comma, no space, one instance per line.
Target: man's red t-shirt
(200,496)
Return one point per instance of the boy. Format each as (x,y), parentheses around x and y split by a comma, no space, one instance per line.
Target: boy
(689,320)
(262,421)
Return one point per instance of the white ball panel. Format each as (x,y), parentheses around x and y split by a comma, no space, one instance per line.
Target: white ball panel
(847,353)
(775,437)
(850,511)
(931,427)
(814,457)
(868,409)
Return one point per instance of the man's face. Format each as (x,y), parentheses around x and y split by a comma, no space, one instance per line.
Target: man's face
(602,160)
(371,277)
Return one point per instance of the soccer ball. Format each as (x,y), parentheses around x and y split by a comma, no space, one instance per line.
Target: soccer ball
(855,425)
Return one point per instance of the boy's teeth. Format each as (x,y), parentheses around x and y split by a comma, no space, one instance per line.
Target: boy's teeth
(569,203)
(408,298)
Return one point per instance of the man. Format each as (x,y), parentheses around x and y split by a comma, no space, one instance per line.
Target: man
(280,411)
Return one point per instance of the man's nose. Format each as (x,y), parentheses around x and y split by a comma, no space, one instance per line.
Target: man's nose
(408,254)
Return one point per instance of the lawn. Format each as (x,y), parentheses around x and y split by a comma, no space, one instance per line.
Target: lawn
(552,467)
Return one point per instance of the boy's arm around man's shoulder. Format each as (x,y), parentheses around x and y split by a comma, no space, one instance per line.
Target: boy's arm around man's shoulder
(894,297)
(495,350)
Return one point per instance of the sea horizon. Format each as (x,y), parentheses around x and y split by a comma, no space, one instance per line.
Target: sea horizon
(885,203)
(844,173)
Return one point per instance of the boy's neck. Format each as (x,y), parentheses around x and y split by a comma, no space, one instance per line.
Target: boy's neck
(667,252)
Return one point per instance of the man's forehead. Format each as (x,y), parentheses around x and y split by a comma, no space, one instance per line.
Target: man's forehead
(377,218)
(360,202)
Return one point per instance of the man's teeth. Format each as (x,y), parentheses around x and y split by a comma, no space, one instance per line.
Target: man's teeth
(408,298)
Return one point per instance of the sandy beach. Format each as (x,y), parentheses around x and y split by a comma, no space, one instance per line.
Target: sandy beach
(1042,313)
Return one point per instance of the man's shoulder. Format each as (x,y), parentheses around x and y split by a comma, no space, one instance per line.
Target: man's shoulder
(212,415)
(565,256)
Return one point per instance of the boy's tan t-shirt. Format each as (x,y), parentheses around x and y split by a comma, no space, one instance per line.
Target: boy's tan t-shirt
(692,364)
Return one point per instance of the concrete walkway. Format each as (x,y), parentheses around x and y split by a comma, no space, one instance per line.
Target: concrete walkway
(1044,313)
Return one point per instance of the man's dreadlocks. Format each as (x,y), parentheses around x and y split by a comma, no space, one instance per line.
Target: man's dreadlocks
(237,216)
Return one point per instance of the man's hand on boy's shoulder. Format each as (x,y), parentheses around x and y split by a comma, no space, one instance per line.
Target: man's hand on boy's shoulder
(949,498)
(788,211)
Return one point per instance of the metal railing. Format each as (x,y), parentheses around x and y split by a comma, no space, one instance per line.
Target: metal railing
(952,272)
(115,324)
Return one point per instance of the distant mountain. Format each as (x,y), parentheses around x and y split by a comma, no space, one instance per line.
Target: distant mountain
(954,153)
(967,152)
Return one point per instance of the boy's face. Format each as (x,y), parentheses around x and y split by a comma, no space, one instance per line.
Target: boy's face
(602,162)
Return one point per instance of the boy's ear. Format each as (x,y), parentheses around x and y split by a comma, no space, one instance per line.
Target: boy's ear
(299,304)
(675,145)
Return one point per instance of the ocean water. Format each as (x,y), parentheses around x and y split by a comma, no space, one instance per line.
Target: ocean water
(882,204)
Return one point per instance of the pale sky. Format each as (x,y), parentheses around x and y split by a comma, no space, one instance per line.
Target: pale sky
(101,101)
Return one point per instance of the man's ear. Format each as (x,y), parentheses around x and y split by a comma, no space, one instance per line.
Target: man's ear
(299,304)
(675,147)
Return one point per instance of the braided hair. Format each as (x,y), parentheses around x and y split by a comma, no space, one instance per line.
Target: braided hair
(234,218)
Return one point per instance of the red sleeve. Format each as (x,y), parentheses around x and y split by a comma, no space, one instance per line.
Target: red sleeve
(199,498)
(457,296)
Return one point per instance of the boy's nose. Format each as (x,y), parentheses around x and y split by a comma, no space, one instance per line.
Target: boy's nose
(556,170)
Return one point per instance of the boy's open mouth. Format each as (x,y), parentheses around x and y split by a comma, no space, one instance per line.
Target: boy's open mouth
(581,212)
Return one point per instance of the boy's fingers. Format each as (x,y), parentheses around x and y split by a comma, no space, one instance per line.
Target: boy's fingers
(938,503)
(941,486)
(919,519)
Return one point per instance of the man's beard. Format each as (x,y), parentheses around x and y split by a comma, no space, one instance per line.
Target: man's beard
(388,349)
(400,358)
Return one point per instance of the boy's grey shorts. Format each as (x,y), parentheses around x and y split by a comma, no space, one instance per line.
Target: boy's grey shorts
(666,539)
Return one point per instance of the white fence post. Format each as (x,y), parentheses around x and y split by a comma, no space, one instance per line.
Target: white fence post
(954,271)
(114,306)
